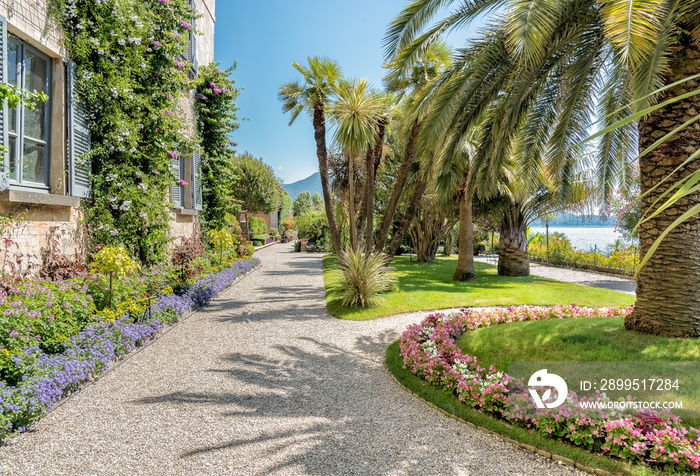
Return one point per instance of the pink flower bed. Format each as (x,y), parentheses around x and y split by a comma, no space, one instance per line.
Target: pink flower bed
(429,350)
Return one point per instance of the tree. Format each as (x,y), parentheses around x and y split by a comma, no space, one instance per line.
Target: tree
(453,174)
(408,85)
(547,59)
(302,204)
(433,222)
(356,112)
(256,186)
(285,206)
(312,95)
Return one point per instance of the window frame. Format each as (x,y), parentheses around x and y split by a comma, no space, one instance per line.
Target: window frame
(18,135)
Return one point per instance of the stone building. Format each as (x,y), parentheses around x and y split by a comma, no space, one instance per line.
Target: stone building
(41,180)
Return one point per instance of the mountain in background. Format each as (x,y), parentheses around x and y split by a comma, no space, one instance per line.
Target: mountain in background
(310,184)
(571,219)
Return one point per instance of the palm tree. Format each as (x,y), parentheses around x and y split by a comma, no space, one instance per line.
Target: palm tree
(356,111)
(557,60)
(312,94)
(407,85)
(454,174)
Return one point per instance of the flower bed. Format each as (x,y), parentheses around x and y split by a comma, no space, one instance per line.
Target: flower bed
(429,350)
(46,378)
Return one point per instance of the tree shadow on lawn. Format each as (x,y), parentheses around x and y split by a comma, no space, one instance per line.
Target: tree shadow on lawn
(318,407)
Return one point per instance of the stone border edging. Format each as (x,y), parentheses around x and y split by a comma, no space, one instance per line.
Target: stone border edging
(546,454)
(134,353)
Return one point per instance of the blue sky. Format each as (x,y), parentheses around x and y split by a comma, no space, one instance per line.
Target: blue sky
(265,37)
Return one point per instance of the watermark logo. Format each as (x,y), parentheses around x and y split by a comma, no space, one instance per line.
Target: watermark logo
(543,379)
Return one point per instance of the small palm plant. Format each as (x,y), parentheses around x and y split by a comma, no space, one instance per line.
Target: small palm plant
(366,276)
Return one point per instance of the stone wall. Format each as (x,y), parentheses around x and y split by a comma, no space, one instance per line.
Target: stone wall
(29,20)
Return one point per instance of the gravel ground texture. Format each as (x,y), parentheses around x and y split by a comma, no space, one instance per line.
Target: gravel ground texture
(263,381)
(587,278)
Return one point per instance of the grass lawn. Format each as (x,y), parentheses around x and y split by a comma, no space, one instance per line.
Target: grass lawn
(451,404)
(572,339)
(423,286)
(592,340)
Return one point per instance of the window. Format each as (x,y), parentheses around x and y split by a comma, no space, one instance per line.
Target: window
(190,53)
(28,131)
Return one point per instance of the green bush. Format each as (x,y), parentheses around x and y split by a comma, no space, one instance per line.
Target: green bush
(313,226)
(258,228)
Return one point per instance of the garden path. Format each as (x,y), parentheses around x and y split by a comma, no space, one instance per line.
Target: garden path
(578,276)
(262,381)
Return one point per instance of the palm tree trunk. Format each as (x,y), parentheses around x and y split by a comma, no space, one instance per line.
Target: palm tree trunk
(668,301)
(351,203)
(373,159)
(465,257)
(418,192)
(513,259)
(319,122)
(408,157)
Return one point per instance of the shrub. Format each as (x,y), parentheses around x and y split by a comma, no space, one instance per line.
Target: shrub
(113,261)
(184,254)
(57,265)
(365,277)
(313,226)
(220,240)
(258,228)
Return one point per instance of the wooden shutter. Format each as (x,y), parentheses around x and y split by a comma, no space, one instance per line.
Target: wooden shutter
(4,163)
(78,138)
(193,40)
(175,189)
(197,179)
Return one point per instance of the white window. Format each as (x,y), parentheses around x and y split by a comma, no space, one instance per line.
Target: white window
(28,130)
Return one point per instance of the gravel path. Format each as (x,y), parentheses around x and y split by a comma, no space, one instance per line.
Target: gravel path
(587,278)
(262,381)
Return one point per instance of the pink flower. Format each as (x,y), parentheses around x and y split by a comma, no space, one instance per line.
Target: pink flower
(212,85)
(173,155)
(182,183)
(235,144)
(156,172)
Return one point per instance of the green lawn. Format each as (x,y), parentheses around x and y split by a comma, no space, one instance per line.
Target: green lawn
(572,339)
(424,286)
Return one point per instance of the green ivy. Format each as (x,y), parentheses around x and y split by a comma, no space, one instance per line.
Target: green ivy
(216,119)
(130,79)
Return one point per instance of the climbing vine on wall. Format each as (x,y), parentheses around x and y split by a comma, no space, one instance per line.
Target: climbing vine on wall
(216,119)
(130,76)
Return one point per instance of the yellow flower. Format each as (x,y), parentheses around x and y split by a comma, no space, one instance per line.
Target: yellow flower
(5,352)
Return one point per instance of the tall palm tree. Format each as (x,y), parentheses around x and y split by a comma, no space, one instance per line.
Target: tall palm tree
(406,84)
(356,111)
(558,60)
(312,94)
(454,174)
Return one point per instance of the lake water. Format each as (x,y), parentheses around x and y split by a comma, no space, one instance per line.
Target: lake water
(584,237)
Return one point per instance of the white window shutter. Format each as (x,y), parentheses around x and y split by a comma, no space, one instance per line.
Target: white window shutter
(78,138)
